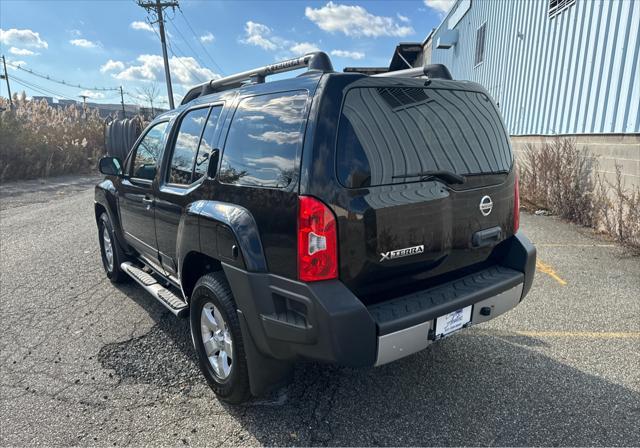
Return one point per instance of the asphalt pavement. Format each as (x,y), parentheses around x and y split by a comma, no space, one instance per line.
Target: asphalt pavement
(83,362)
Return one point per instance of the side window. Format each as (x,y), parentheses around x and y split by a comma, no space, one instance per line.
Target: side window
(145,163)
(264,140)
(186,146)
(207,144)
(480,40)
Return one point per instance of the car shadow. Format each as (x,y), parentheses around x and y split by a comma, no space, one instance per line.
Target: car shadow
(475,388)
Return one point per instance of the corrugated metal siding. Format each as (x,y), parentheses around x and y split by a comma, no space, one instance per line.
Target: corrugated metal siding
(577,73)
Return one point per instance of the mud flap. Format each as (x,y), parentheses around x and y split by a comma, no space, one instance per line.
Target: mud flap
(265,374)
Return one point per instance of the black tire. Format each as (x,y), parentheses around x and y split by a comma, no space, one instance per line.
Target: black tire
(214,289)
(113,271)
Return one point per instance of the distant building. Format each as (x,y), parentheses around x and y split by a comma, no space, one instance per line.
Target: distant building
(48,99)
(104,110)
(555,67)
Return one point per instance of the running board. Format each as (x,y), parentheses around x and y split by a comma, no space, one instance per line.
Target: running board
(163,295)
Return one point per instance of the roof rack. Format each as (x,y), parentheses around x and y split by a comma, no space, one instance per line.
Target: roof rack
(318,61)
(432,71)
(366,70)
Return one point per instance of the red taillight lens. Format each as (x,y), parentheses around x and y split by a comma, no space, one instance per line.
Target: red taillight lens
(516,206)
(317,241)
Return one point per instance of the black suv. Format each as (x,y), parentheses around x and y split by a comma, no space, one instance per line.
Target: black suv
(335,217)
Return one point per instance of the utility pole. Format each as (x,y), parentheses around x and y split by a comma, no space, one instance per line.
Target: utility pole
(124,114)
(6,76)
(84,101)
(158,7)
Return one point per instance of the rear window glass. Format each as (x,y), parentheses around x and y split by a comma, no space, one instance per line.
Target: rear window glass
(386,133)
(264,140)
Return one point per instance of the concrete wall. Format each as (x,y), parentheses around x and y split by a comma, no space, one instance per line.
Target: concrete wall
(623,149)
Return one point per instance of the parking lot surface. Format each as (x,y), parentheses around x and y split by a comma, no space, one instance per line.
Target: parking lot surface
(83,362)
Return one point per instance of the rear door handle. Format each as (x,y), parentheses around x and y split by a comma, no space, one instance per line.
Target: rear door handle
(148,202)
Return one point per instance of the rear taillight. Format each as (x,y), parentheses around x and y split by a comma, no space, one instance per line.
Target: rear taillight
(317,241)
(516,206)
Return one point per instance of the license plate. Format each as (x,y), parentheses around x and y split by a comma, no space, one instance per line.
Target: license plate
(452,322)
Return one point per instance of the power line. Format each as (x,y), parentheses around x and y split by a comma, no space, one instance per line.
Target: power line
(42,90)
(195,54)
(179,58)
(184,17)
(63,82)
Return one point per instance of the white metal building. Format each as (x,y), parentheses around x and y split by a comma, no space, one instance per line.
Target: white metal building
(555,67)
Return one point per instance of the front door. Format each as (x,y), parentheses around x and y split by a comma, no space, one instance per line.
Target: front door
(136,198)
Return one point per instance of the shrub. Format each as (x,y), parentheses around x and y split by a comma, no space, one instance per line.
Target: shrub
(38,140)
(561,178)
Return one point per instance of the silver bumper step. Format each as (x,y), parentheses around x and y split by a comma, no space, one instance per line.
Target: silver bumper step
(163,295)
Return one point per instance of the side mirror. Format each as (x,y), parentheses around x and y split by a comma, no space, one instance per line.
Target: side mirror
(110,166)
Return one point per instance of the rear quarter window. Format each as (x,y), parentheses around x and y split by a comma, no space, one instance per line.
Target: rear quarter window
(264,140)
(386,133)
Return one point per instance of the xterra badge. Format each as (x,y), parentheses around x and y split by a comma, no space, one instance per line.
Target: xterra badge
(415,250)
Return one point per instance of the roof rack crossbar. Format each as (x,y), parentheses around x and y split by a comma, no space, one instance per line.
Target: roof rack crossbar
(318,60)
(430,71)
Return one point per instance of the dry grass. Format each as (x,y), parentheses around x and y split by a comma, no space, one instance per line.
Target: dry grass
(38,140)
(561,178)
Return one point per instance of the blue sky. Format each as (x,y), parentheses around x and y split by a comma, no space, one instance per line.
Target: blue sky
(109,43)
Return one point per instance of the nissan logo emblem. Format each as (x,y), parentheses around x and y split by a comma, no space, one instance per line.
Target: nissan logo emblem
(486,205)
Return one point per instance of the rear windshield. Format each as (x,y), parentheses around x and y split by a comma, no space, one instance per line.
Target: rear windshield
(386,133)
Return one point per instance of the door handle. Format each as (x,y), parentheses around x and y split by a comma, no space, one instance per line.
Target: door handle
(148,202)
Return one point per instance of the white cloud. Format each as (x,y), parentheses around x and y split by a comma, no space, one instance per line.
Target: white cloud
(353,20)
(112,65)
(278,137)
(302,48)
(22,52)
(91,94)
(357,55)
(259,35)
(403,18)
(279,162)
(75,32)
(15,63)
(184,70)
(25,38)
(141,26)
(207,38)
(84,43)
(439,5)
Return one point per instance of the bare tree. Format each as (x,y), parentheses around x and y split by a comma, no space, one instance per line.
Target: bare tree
(150,93)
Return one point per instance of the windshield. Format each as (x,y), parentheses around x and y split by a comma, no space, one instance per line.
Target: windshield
(386,133)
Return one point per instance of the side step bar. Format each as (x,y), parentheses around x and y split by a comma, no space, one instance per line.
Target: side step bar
(172,302)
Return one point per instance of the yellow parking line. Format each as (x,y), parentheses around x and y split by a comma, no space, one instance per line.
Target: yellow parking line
(573,245)
(581,334)
(542,267)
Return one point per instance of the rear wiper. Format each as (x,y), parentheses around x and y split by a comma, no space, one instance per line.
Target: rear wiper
(445,176)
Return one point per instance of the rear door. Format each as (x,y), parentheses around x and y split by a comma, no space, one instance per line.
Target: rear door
(192,148)
(403,228)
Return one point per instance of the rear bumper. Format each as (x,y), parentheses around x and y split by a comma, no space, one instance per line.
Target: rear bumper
(324,321)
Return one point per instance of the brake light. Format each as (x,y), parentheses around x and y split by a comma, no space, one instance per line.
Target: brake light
(516,206)
(317,241)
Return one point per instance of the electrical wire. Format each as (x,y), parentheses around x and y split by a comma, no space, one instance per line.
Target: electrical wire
(184,17)
(63,82)
(42,90)
(178,58)
(195,53)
